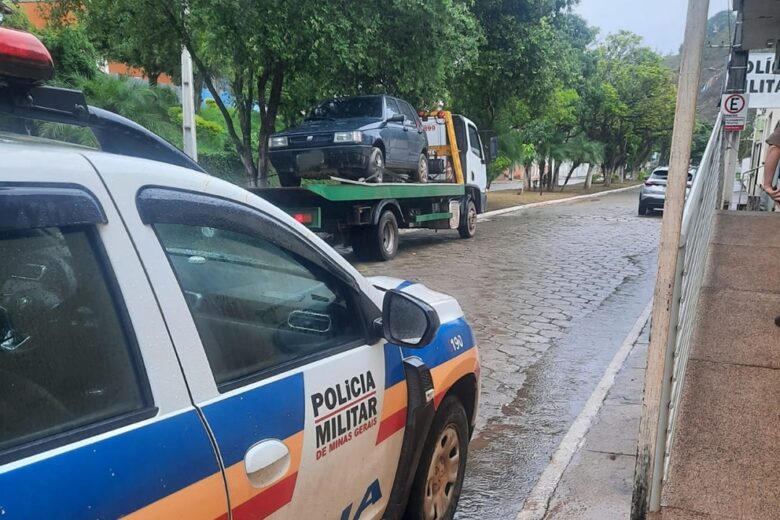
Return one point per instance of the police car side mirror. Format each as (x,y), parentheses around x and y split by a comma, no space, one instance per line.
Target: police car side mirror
(408,321)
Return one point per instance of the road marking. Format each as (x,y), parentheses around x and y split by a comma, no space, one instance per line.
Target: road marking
(512,209)
(535,506)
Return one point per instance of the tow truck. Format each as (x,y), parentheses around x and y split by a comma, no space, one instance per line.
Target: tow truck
(368,216)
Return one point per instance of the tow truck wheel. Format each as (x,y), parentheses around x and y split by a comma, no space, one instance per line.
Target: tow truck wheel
(422,169)
(376,166)
(383,238)
(439,479)
(468,227)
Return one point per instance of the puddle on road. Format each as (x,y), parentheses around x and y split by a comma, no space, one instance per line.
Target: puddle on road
(509,455)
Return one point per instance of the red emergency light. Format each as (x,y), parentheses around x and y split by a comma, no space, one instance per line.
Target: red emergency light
(24,57)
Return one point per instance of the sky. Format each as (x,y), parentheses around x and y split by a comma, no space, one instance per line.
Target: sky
(660,22)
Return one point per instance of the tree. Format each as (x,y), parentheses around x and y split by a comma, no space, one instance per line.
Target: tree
(125,31)
(343,46)
(628,103)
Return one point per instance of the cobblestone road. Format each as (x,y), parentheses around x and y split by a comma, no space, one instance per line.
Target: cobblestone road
(528,283)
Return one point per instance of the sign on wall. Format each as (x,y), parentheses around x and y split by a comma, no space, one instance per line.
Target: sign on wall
(762,86)
(734,108)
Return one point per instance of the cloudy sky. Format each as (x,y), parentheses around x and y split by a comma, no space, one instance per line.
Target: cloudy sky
(660,22)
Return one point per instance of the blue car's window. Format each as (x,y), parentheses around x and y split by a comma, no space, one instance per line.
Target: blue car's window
(370,106)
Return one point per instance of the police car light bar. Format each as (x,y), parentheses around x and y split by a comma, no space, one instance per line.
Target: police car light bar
(23,57)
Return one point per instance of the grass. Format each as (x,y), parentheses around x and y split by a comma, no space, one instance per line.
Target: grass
(510,198)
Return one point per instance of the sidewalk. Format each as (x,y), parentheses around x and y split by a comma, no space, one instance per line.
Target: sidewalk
(598,482)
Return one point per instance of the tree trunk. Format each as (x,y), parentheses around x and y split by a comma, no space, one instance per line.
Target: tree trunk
(574,166)
(608,176)
(152,77)
(197,84)
(268,122)
(589,177)
(556,175)
(622,174)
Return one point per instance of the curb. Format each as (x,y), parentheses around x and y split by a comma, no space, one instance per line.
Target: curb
(513,209)
(537,502)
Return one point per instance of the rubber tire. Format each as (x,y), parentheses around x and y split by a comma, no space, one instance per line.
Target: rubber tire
(421,174)
(375,237)
(289,180)
(464,230)
(642,209)
(375,170)
(450,411)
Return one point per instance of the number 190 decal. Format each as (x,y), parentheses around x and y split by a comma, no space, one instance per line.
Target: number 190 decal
(456,342)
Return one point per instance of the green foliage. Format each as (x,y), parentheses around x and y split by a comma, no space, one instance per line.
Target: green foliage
(126,31)
(498,166)
(225,165)
(72,52)
(146,105)
(17,19)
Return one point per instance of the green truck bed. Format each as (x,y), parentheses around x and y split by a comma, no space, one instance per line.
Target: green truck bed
(361,191)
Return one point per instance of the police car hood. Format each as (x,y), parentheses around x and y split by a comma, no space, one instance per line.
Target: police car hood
(446,306)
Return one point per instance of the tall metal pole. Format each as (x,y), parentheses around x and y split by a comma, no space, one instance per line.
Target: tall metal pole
(650,460)
(188,106)
(731,157)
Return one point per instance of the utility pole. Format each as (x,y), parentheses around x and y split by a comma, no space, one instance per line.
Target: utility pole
(652,434)
(188,106)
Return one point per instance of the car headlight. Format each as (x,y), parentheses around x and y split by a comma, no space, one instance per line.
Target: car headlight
(277,142)
(348,137)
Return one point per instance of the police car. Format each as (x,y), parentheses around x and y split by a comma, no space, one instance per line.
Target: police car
(173,346)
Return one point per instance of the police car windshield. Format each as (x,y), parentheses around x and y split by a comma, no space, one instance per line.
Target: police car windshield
(369,106)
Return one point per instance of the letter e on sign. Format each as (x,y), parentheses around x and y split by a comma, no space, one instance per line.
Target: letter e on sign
(734,108)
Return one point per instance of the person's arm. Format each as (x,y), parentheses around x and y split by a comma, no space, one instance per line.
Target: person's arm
(770,165)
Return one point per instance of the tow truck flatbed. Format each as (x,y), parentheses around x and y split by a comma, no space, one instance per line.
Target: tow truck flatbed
(353,190)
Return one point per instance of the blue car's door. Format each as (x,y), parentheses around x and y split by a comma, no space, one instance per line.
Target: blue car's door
(394,136)
(414,135)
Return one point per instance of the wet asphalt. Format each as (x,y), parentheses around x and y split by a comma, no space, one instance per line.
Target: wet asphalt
(551,293)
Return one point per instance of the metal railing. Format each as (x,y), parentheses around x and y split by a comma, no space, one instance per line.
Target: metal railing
(696,232)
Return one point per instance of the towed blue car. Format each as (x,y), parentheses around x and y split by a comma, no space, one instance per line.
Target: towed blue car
(360,138)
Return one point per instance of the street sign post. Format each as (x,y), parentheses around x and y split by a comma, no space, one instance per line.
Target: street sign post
(734,108)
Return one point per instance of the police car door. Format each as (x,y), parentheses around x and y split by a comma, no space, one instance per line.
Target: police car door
(297,393)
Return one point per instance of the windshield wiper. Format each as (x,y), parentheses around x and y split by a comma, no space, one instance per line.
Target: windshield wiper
(320,118)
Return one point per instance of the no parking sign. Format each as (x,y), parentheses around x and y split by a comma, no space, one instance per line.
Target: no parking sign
(734,108)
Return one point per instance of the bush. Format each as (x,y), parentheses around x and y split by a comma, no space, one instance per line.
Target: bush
(497,167)
(225,165)
(73,54)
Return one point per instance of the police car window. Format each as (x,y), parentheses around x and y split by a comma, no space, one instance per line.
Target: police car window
(256,306)
(65,358)
(476,147)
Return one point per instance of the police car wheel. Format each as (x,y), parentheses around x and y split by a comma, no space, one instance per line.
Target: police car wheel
(439,480)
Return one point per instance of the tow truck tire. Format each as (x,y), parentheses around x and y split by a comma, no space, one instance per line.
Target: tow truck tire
(289,180)
(468,227)
(382,239)
(376,166)
(439,479)
(421,175)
